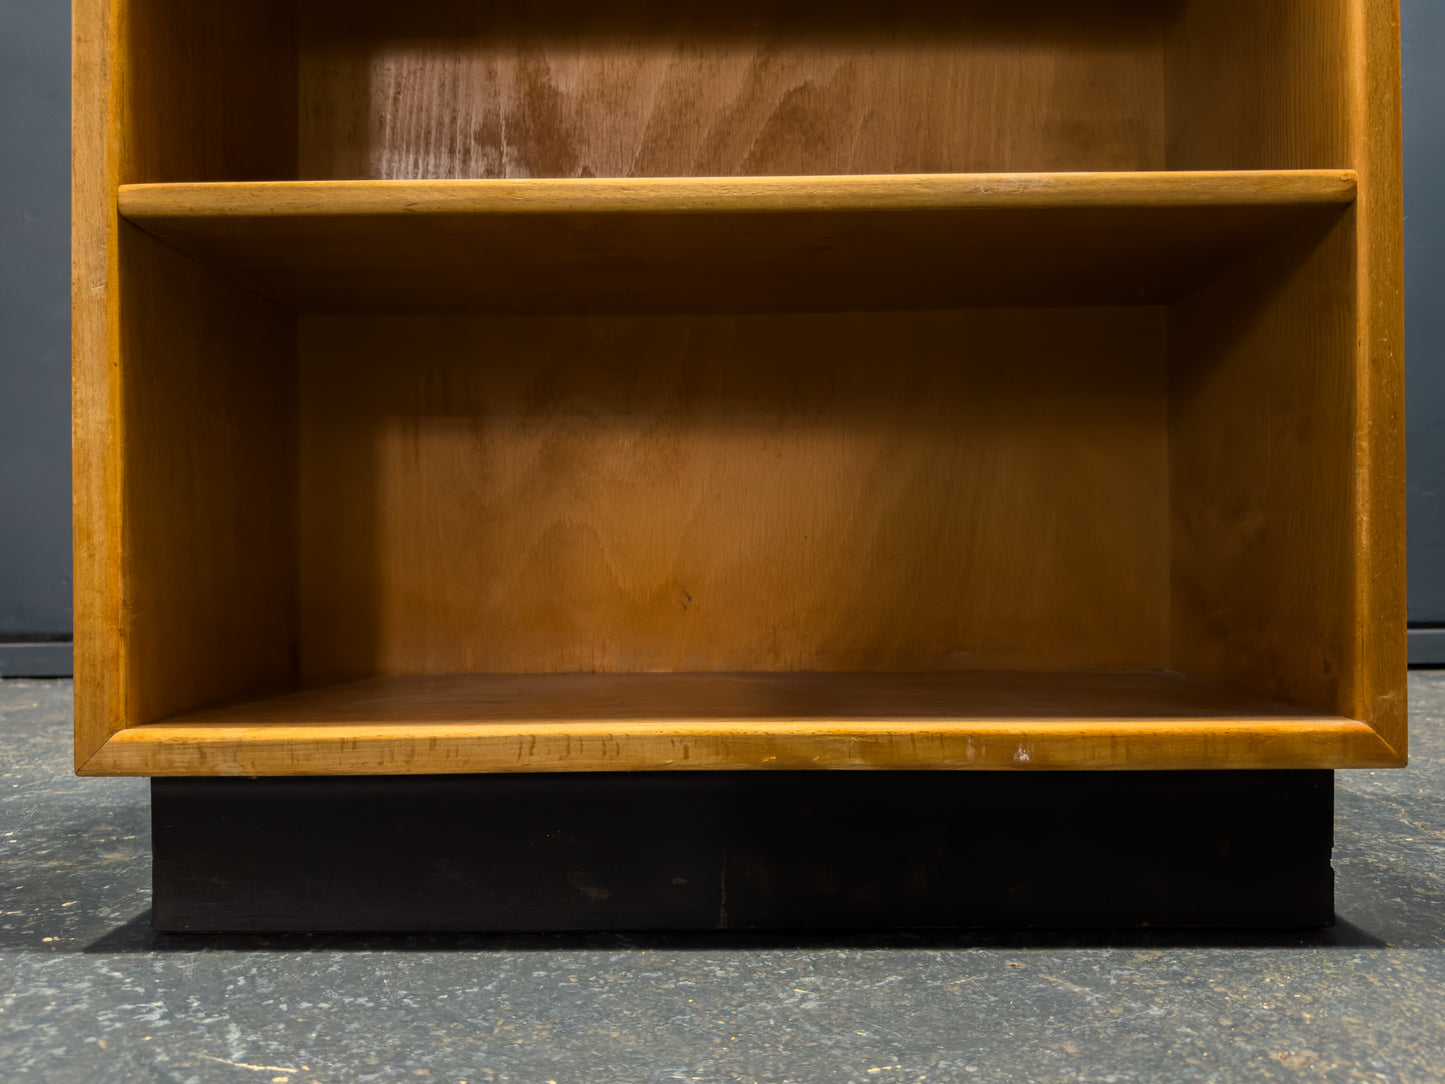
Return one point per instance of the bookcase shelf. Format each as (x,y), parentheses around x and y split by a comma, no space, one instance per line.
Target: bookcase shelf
(553,387)
(742,243)
(776,721)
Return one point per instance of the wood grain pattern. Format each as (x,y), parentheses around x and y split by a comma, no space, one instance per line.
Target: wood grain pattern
(687,196)
(1261,410)
(154,101)
(744,244)
(1286,416)
(559,88)
(837,492)
(1259,86)
(209,539)
(677,722)
(201,91)
(724,479)
(1378,677)
(95,386)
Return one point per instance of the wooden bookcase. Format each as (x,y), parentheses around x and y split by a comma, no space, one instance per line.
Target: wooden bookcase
(492,387)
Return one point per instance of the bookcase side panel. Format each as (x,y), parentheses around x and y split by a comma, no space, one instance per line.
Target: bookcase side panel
(162,347)
(205,91)
(1261,414)
(1258,86)
(1299,84)
(1379,688)
(95,382)
(210,536)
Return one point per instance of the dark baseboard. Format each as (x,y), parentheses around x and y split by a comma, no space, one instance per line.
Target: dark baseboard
(38,658)
(1426,647)
(745,850)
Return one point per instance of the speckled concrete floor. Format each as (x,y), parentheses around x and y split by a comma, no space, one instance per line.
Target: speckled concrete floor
(87,993)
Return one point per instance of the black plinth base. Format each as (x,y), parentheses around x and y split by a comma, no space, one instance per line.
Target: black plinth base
(760,850)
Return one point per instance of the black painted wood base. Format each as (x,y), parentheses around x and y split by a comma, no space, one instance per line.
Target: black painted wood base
(761,850)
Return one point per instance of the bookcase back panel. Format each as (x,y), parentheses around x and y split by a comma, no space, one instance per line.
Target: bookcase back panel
(335,89)
(915,491)
(563,88)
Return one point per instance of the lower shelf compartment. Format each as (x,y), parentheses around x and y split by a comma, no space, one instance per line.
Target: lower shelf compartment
(697,721)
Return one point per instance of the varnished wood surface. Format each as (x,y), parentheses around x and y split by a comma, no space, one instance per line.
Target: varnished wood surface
(1219,489)
(1260,86)
(719,244)
(564,88)
(1286,417)
(851,491)
(1261,414)
(1377,680)
(95,387)
(583,722)
(157,87)
(201,92)
(741,195)
(209,394)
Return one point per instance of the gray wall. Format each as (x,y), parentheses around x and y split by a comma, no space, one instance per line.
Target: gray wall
(35,586)
(34,334)
(1423,30)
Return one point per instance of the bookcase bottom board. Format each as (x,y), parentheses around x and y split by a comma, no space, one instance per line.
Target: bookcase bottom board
(744,850)
(461,724)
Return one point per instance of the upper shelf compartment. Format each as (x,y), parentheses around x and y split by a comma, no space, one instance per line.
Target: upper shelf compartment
(736,244)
